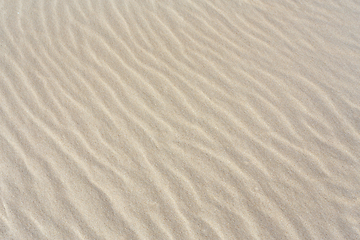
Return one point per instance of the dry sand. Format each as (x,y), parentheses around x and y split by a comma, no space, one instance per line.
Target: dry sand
(179,119)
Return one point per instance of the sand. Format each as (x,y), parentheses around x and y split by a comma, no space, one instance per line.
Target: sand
(179,119)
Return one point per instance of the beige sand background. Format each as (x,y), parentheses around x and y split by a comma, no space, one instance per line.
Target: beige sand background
(179,119)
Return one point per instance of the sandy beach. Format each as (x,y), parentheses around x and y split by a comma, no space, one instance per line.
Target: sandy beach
(179,120)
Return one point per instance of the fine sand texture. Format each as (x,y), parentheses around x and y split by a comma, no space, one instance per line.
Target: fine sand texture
(179,119)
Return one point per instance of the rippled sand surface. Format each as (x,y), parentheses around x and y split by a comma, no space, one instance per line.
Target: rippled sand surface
(179,119)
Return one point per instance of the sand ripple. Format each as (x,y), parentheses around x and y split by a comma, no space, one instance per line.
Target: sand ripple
(185,119)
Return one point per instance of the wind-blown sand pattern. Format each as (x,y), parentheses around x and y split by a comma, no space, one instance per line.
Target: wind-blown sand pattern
(189,119)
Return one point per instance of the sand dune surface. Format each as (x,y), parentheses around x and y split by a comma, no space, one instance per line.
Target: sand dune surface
(187,119)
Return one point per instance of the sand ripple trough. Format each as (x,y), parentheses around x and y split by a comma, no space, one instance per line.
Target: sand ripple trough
(189,119)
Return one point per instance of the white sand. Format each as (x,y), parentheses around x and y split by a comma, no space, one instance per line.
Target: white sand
(179,119)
